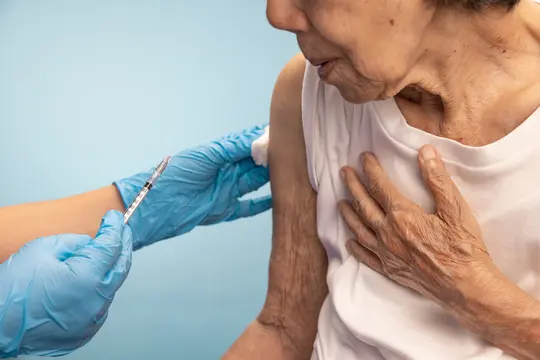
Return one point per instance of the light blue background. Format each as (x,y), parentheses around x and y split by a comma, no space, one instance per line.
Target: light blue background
(81,82)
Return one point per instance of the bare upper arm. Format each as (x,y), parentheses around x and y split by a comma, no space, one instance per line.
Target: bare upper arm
(298,263)
(287,151)
(286,327)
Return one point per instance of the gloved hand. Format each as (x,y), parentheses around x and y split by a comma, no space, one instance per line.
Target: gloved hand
(201,186)
(56,291)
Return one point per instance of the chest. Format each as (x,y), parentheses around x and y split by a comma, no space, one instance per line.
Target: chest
(505,200)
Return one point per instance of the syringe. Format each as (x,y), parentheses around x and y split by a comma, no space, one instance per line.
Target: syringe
(146,188)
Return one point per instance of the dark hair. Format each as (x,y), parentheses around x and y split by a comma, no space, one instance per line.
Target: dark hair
(481,4)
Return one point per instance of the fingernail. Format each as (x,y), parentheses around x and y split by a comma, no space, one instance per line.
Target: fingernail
(428,152)
(342,173)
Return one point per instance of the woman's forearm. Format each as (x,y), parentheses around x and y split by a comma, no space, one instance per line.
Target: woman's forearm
(503,314)
(80,214)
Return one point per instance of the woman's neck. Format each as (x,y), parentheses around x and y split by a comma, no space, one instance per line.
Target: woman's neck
(478,77)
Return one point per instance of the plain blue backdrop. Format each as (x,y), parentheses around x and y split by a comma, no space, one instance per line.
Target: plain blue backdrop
(81,82)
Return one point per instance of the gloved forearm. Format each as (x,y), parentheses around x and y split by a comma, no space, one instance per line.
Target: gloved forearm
(80,214)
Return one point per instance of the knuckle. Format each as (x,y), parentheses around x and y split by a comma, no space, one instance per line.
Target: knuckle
(387,267)
(373,264)
(359,231)
(379,225)
(374,186)
(358,206)
(404,222)
(437,176)
(396,270)
(400,217)
(396,207)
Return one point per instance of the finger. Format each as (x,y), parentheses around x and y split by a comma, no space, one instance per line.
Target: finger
(364,256)
(115,277)
(369,211)
(379,185)
(362,233)
(68,244)
(450,204)
(253,180)
(251,207)
(100,255)
(237,146)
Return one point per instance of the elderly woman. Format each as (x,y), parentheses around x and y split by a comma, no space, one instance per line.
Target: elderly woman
(428,275)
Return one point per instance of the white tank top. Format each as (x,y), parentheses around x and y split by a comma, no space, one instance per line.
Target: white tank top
(368,317)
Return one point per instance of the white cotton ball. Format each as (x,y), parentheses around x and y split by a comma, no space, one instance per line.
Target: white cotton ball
(259,148)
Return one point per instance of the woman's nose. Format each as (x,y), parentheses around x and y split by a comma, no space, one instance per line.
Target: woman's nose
(286,15)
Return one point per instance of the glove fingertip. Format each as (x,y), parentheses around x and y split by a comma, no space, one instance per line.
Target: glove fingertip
(262,204)
(253,207)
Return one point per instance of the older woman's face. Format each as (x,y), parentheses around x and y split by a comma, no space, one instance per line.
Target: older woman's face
(367,47)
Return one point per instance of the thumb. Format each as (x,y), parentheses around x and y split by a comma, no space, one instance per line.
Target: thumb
(101,254)
(116,276)
(451,206)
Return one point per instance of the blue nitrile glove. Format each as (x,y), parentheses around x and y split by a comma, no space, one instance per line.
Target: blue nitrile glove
(56,291)
(201,186)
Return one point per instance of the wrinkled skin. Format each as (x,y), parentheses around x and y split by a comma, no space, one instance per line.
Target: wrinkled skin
(364,38)
(433,254)
(442,255)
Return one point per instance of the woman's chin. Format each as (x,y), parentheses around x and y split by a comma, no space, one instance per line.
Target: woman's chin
(355,95)
(359,91)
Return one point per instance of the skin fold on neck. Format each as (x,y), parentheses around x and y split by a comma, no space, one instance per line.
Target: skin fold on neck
(478,74)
